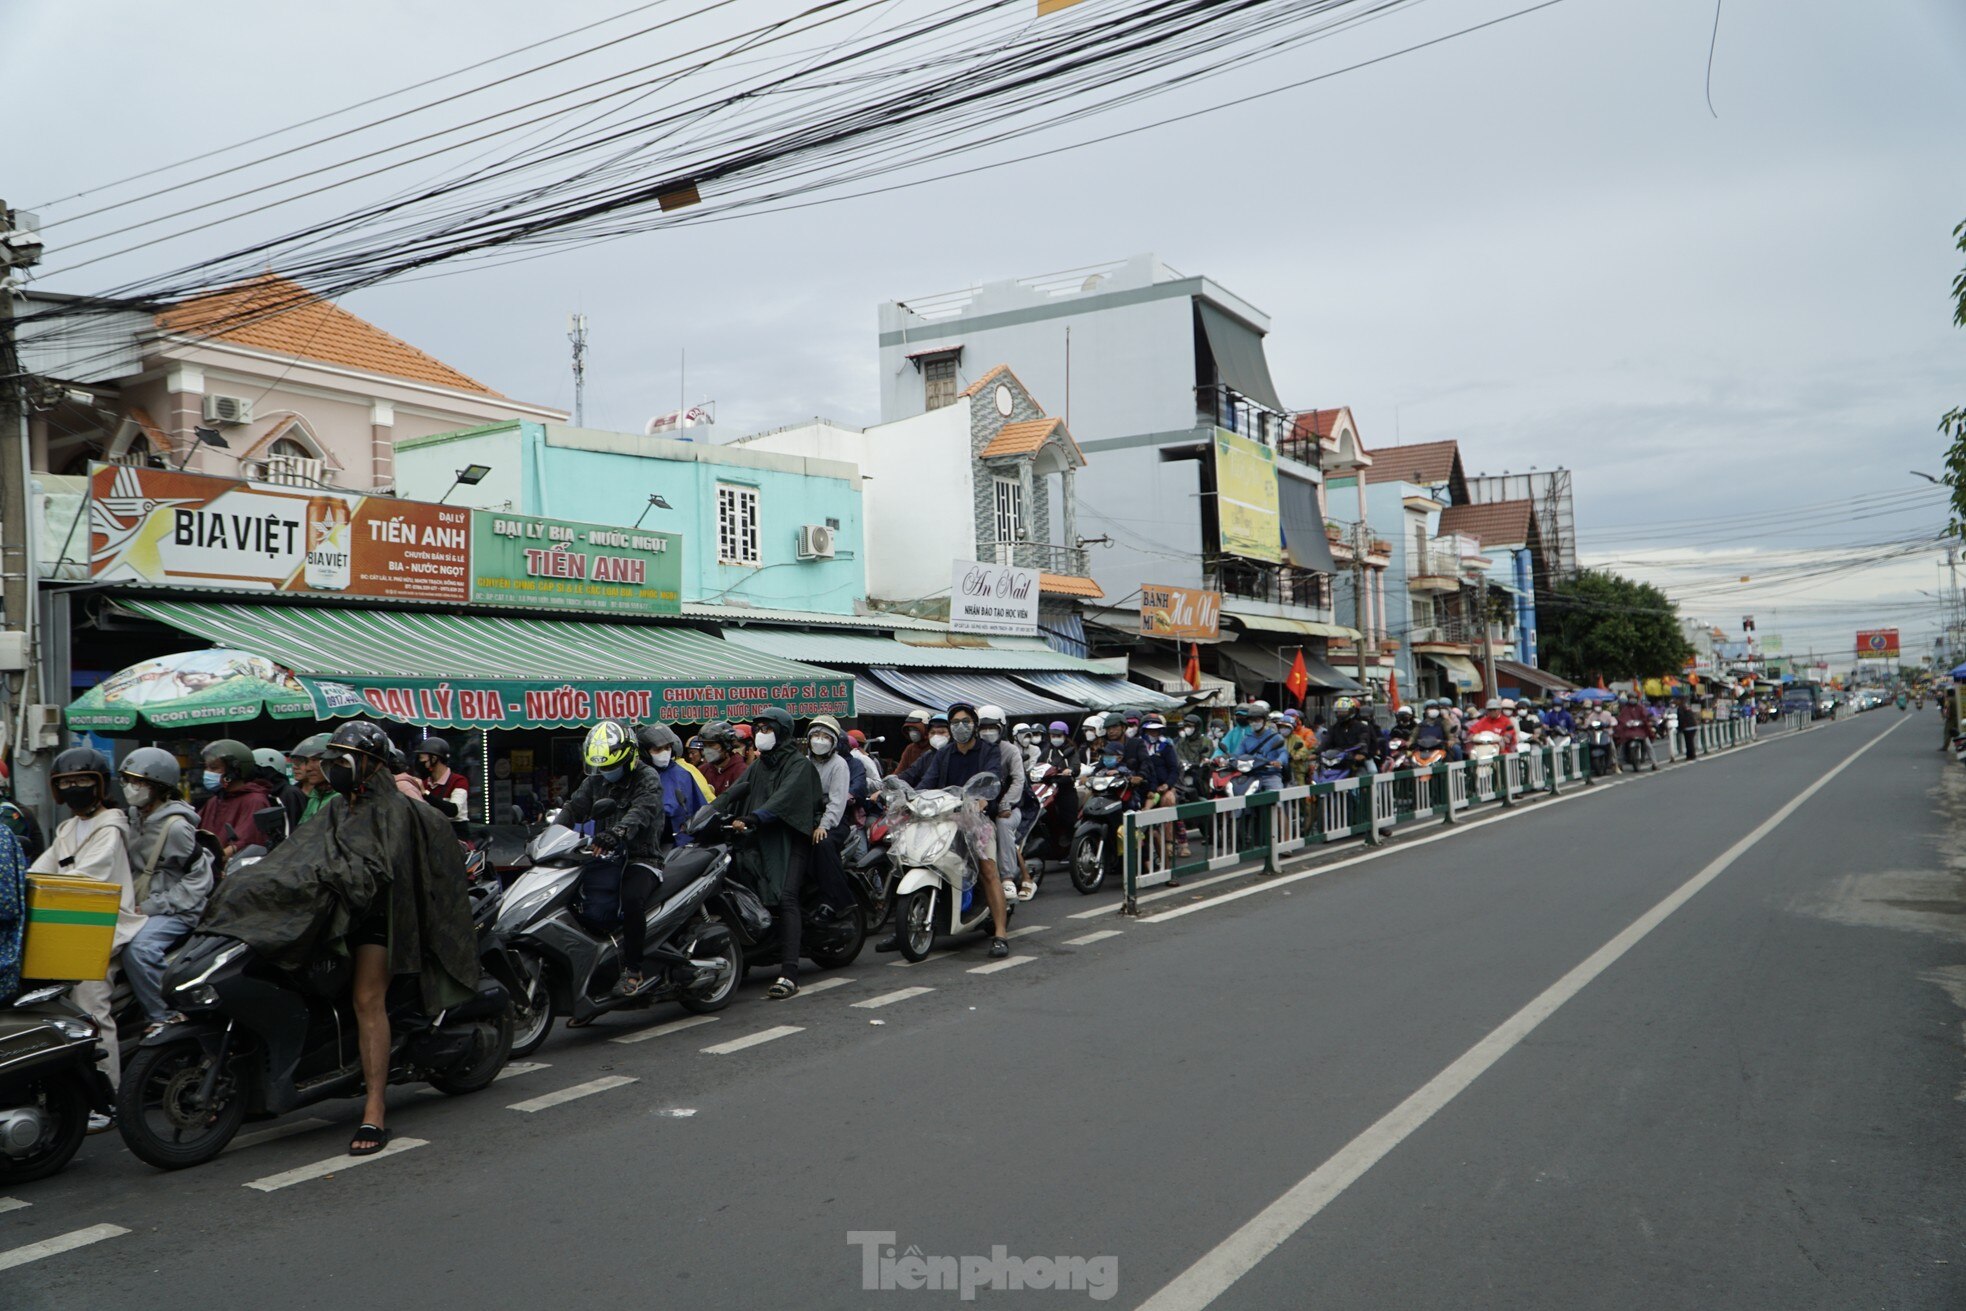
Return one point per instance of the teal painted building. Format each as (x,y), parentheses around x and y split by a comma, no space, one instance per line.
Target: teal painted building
(760,530)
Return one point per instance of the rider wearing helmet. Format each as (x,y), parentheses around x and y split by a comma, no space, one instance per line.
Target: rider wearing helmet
(443,787)
(633,829)
(173,874)
(780,800)
(1232,740)
(305,762)
(232,778)
(93,843)
(915,726)
(1352,730)
(684,790)
(723,763)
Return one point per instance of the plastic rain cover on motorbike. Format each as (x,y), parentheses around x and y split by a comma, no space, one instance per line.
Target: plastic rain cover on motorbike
(922,826)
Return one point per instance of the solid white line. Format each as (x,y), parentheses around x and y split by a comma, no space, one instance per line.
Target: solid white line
(579,1090)
(333,1165)
(818,985)
(673,1026)
(273,1135)
(1091,938)
(1003,964)
(58,1244)
(14,1204)
(1211,1276)
(752,1040)
(889,998)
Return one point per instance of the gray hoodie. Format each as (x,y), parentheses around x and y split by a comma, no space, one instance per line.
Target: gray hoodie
(180,874)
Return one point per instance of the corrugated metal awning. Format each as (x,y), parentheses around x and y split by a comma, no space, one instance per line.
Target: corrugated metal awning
(1100,692)
(939,690)
(867,649)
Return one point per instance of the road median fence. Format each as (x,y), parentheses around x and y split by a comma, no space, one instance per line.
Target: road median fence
(1160,847)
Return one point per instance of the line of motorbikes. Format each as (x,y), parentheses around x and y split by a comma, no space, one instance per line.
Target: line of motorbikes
(258,1041)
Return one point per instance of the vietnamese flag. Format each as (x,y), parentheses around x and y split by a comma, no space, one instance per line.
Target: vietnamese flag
(1299,681)
(1191,672)
(1392,689)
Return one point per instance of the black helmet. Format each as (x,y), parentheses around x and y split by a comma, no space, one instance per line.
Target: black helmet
(1191,721)
(656,737)
(954,706)
(718,732)
(779,719)
(82,760)
(366,738)
(434,746)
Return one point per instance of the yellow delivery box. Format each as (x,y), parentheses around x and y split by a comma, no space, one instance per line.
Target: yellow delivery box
(71,925)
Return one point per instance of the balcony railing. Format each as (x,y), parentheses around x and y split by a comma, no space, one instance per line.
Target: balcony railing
(1275,584)
(1070,560)
(1433,562)
(1454,629)
(1224,407)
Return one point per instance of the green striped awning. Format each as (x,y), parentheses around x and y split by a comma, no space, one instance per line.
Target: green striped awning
(476,671)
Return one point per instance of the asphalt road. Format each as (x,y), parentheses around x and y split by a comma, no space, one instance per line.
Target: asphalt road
(1753,1103)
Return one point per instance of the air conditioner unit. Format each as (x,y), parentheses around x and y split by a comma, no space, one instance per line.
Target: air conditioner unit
(815,542)
(228,409)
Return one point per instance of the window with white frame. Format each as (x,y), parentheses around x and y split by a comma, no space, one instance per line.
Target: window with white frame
(737,524)
(1010,510)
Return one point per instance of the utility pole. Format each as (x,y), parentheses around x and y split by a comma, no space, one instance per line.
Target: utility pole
(1481,634)
(20,248)
(1360,537)
(577,334)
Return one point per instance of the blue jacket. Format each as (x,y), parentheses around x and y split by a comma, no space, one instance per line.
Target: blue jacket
(1162,766)
(1560,721)
(1266,745)
(1233,739)
(681,799)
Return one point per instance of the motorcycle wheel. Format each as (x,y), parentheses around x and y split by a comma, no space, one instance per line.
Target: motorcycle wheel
(155,1117)
(848,951)
(478,1074)
(716,994)
(914,924)
(532,1013)
(64,1099)
(1088,863)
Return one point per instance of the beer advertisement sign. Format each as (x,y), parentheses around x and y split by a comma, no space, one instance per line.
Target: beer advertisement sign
(159,528)
(519,559)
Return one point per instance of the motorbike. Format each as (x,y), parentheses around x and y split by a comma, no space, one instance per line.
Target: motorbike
(939,891)
(1425,757)
(1485,749)
(563,944)
(831,942)
(1044,842)
(1336,763)
(49,1083)
(869,869)
(1598,738)
(1397,756)
(1096,840)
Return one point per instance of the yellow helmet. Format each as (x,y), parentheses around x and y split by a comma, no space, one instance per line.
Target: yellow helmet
(609,745)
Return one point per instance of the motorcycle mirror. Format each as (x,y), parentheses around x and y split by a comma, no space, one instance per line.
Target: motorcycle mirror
(604,808)
(272,823)
(702,821)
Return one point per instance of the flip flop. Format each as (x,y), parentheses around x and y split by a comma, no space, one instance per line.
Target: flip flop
(368,1133)
(1027,890)
(782,989)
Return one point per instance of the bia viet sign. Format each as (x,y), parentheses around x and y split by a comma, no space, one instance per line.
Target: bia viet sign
(1183,614)
(998,599)
(522,560)
(515,703)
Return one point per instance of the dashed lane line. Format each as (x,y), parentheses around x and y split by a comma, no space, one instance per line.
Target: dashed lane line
(673,1026)
(752,1040)
(1007,962)
(889,998)
(546,1101)
(55,1246)
(300,1174)
(819,985)
(12,1204)
(1091,938)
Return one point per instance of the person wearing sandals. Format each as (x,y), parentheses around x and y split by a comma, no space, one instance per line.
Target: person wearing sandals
(779,799)
(173,875)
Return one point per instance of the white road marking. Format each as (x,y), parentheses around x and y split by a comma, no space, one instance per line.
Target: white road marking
(752,1040)
(1004,964)
(1091,938)
(673,1026)
(515,1068)
(818,985)
(13,1204)
(273,1135)
(334,1165)
(1211,1276)
(889,998)
(57,1245)
(944,954)
(579,1090)
(678,1112)
(1027,929)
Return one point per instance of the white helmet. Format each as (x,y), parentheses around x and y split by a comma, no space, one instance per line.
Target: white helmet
(1493,704)
(989,715)
(1094,724)
(1022,730)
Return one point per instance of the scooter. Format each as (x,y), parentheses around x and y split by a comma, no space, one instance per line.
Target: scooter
(939,890)
(832,943)
(1598,737)
(49,1083)
(1042,843)
(869,869)
(1096,840)
(1485,749)
(1335,764)
(567,956)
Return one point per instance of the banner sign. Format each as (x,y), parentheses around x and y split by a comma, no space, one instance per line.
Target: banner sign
(1877,644)
(1182,614)
(164,529)
(999,599)
(518,559)
(542,703)
(1771,644)
(1246,498)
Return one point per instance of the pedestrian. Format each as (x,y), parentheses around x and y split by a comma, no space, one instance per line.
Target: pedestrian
(1689,727)
(779,800)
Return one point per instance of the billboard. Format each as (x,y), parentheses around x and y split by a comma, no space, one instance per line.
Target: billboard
(999,599)
(157,528)
(1246,498)
(519,559)
(1182,614)
(1877,644)
(521,703)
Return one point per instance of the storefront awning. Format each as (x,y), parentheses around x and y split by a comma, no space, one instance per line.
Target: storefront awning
(939,690)
(1460,670)
(916,651)
(1294,627)
(472,671)
(1218,691)
(1100,692)
(1528,675)
(1259,665)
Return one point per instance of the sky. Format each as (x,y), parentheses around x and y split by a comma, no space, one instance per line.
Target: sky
(1535,239)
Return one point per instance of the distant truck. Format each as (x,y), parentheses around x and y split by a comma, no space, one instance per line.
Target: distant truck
(1811,698)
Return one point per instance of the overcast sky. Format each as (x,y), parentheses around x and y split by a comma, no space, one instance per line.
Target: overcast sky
(1534,239)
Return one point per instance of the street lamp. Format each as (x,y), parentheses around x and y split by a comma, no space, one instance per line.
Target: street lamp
(204,437)
(655,503)
(1936,482)
(469,476)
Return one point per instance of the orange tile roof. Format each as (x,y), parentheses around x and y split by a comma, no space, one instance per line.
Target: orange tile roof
(1070,585)
(159,440)
(272,313)
(1316,423)
(1029,435)
(1499,523)
(1425,463)
(990,376)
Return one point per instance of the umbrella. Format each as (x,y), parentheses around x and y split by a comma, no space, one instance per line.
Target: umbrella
(216,686)
(1593,694)
(1960,672)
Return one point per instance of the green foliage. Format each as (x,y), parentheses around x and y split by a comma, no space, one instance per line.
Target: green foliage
(1599,624)
(1953,424)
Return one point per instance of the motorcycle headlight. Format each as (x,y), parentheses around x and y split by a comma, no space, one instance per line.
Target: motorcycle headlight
(73,1029)
(202,997)
(520,910)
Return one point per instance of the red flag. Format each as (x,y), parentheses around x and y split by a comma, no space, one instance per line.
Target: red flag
(1600,684)
(1392,689)
(1299,681)
(1191,672)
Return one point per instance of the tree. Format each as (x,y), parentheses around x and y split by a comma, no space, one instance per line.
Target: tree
(1599,624)
(1953,423)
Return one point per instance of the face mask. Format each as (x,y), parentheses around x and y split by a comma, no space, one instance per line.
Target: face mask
(711,755)
(662,759)
(938,740)
(1058,739)
(765,741)
(1109,760)
(614,775)
(1131,731)
(962,732)
(212,781)
(1187,732)
(822,745)
(1434,713)
(990,735)
(914,735)
(423,768)
(140,794)
(1091,733)
(80,797)
(340,775)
